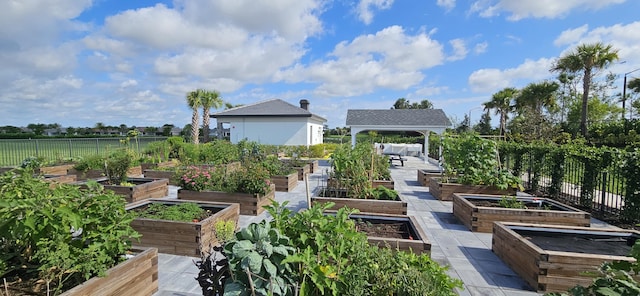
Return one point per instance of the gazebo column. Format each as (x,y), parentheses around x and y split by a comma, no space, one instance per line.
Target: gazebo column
(354,132)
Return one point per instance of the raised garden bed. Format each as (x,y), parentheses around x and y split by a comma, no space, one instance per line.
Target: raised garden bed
(157,174)
(285,183)
(85,175)
(396,232)
(375,206)
(302,171)
(390,184)
(250,204)
(162,164)
(424,176)
(137,276)
(444,191)
(134,171)
(61,179)
(59,170)
(553,258)
(478,212)
(144,188)
(181,238)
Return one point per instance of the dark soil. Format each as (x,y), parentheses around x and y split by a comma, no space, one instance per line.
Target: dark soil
(385,229)
(578,243)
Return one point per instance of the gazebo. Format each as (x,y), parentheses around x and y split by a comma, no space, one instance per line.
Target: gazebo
(423,121)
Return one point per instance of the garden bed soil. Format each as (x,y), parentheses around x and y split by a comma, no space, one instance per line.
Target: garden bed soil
(144,188)
(285,183)
(478,212)
(250,204)
(445,191)
(375,206)
(396,232)
(136,276)
(182,238)
(425,175)
(554,258)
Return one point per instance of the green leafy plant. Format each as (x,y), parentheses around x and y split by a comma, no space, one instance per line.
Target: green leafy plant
(256,261)
(62,235)
(251,179)
(383,193)
(213,266)
(117,164)
(511,202)
(185,212)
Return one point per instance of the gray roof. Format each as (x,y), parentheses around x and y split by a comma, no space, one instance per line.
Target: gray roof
(269,108)
(398,117)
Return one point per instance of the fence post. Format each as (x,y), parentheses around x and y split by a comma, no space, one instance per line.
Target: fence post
(97,146)
(70,150)
(603,194)
(37,148)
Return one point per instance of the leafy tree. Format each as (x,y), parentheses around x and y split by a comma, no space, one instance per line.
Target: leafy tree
(403,103)
(209,99)
(424,104)
(634,86)
(501,102)
(166,129)
(150,130)
(193,101)
(484,125)
(586,59)
(99,127)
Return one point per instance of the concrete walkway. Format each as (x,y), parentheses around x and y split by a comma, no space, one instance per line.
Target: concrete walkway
(467,254)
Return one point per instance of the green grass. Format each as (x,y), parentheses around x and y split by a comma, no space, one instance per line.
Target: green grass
(14,151)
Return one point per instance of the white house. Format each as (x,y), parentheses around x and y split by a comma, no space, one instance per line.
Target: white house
(273,122)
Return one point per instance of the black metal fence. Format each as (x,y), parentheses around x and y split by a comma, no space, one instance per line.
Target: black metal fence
(599,192)
(14,151)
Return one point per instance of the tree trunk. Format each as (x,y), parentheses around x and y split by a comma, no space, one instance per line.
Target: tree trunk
(502,123)
(205,124)
(195,129)
(586,82)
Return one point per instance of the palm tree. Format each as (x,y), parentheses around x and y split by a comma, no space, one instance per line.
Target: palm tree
(585,59)
(537,95)
(193,100)
(501,102)
(209,99)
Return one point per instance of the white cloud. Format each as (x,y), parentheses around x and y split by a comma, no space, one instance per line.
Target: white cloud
(388,59)
(492,80)
(459,50)
(570,36)
(519,9)
(447,4)
(480,48)
(365,9)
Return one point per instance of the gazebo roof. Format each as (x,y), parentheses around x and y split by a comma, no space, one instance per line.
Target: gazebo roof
(408,118)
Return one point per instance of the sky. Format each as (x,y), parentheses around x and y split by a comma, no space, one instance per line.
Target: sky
(79,62)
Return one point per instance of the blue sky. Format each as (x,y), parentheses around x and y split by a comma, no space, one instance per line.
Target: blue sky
(78,62)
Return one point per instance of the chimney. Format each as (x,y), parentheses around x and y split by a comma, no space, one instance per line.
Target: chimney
(304,104)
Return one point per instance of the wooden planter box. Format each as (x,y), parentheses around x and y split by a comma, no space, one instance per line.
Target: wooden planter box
(444,191)
(549,268)
(285,183)
(390,184)
(169,175)
(144,188)
(162,164)
(336,183)
(55,170)
(182,238)
(134,171)
(137,276)
(250,204)
(88,174)
(302,171)
(314,166)
(481,218)
(417,243)
(424,176)
(62,179)
(370,206)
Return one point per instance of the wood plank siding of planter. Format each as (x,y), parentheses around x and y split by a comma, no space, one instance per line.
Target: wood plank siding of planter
(250,204)
(144,188)
(302,171)
(285,183)
(550,270)
(481,218)
(444,191)
(372,206)
(60,179)
(57,170)
(182,238)
(424,176)
(137,276)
